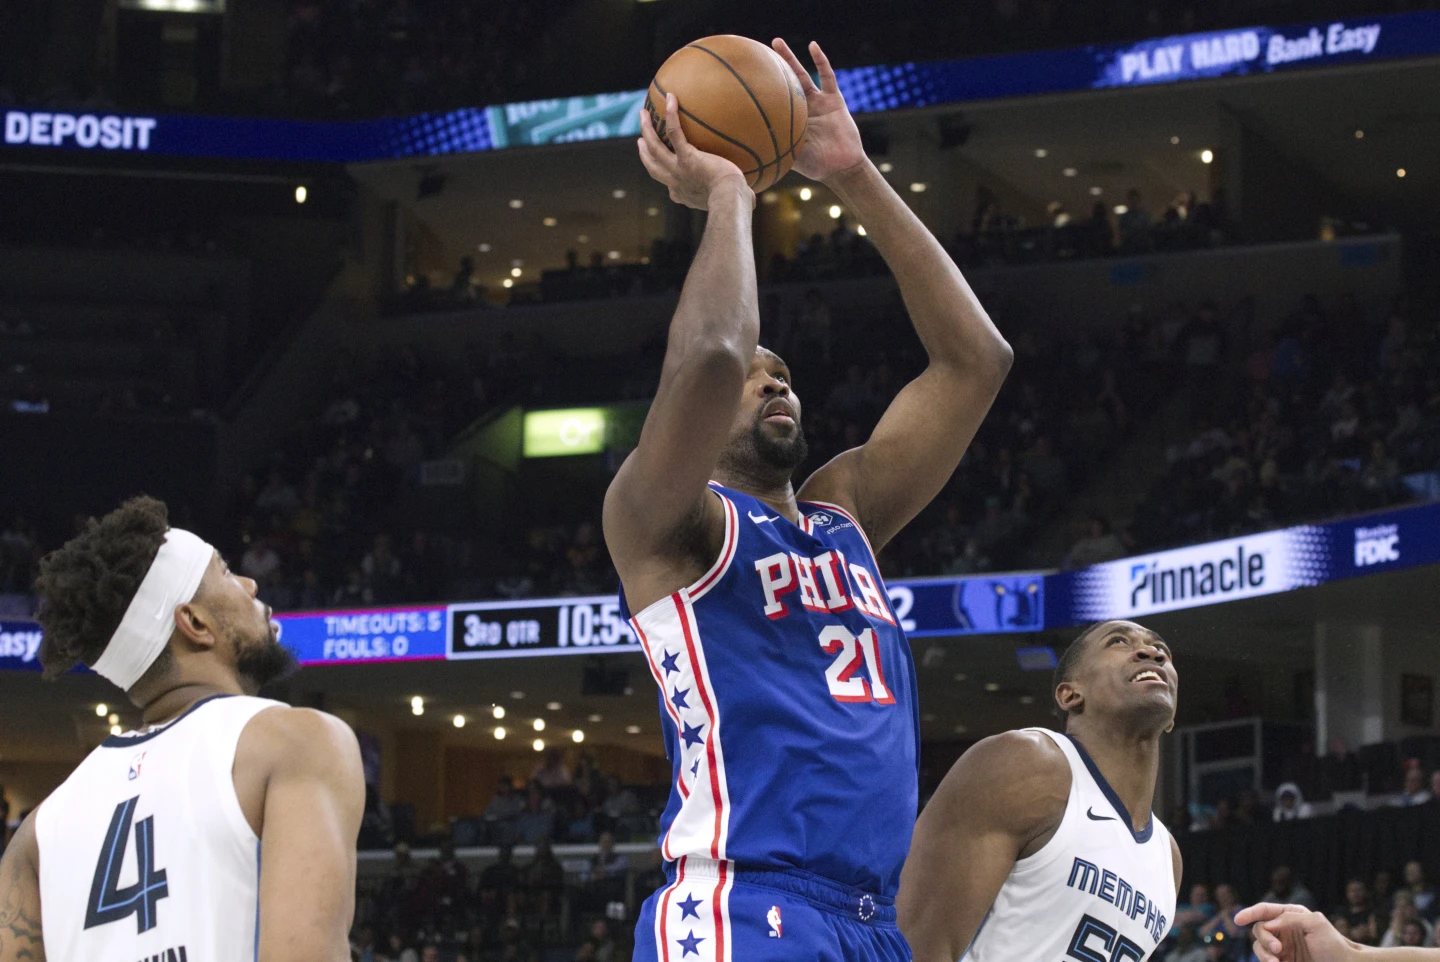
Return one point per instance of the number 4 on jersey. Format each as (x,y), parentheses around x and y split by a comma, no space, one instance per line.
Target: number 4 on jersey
(109,902)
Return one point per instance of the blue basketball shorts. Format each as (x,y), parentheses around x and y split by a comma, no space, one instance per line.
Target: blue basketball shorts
(715,912)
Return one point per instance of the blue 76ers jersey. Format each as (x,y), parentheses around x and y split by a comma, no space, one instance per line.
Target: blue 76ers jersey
(788,702)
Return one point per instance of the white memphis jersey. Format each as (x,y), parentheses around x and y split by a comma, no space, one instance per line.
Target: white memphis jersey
(144,852)
(1098,891)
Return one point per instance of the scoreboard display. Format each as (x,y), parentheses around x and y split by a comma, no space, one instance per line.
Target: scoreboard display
(527,628)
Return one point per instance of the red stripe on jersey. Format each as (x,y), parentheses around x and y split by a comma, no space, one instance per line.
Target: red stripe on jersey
(709,711)
(732,539)
(719,915)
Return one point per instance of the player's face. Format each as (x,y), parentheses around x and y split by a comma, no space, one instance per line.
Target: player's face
(767,436)
(1128,672)
(246,624)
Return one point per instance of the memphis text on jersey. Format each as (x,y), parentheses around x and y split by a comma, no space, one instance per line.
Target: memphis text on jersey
(1104,884)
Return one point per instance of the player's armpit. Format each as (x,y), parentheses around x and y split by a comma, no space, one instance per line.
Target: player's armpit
(314,801)
(1000,801)
(21,939)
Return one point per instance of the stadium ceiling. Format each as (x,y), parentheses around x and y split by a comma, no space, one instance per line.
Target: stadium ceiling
(1149,138)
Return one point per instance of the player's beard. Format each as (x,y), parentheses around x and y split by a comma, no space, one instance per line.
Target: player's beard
(778,453)
(261,659)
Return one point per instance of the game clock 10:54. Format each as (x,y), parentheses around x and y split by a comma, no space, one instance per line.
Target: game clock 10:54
(508,630)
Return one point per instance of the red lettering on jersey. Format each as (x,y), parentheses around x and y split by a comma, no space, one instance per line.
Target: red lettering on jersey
(831,572)
(805,575)
(777,576)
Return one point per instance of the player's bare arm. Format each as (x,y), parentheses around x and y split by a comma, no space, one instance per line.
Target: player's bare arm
(20,937)
(662,527)
(1002,801)
(916,446)
(302,789)
(1179,861)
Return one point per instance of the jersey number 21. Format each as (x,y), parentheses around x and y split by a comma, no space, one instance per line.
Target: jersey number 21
(108,901)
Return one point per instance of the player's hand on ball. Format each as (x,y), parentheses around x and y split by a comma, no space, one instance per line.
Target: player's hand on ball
(691,174)
(832,141)
(1293,933)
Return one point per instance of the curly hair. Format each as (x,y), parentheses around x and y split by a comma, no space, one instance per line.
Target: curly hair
(86,586)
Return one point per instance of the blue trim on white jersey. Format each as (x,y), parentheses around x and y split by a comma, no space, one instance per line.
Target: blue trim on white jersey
(257,900)
(125,741)
(1143,835)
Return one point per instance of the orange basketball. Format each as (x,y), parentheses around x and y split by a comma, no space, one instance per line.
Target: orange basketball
(737,99)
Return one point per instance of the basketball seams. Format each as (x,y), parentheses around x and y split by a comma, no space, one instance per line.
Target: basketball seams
(769,127)
(723,136)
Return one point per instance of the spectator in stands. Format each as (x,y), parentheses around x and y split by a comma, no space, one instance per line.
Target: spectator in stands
(442,888)
(1284,889)
(1421,892)
(506,803)
(381,571)
(1099,544)
(1135,224)
(1198,910)
(1435,785)
(1218,948)
(499,886)
(278,497)
(1414,791)
(398,950)
(362,945)
(544,880)
(1361,920)
(259,560)
(601,942)
(1227,904)
(607,872)
(537,820)
(1405,912)
(1341,771)
(553,773)
(1188,947)
(1382,892)
(1290,804)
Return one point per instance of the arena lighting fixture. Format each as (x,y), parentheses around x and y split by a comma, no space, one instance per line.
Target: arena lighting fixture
(632,729)
(886,166)
(1121,210)
(1359,134)
(552,706)
(101,710)
(301,194)
(483,248)
(805,193)
(538,744)
(549,222)
(613,255)
(516,204)
(655,211)
(577,736)
(539,724)
(961,729)
(618,193)
(114,719)
(992,686)
(1400,172)
(1041,153)
(507,283)
(498,711)
(582,239)
(517,695)
(1027,699)
(1096,191)
(928,716)
(918,187)
(500,733)
(458,721)
(1207,156)
(595,719)
(114,729)
(769,197)
(1174,141)
(835,211)
(1069,171)
(960,676)
(515,272)
(417,706)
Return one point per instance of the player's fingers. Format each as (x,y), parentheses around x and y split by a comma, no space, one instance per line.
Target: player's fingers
(650,138)
(654,167)
(672,123)
(828,83)
(1260,912)
(1265,939)
(801,74)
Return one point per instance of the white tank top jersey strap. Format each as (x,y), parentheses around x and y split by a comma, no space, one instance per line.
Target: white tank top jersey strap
(144,851)
(1098,891)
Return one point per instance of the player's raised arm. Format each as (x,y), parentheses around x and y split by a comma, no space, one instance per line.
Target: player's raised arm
(20,937)
(661,487)
(920,439)
(314,801)
(1002,800)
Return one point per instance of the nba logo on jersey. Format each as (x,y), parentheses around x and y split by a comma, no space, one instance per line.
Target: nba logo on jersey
(773,917)
(135,764)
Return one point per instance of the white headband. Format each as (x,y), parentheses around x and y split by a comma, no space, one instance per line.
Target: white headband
(172,580)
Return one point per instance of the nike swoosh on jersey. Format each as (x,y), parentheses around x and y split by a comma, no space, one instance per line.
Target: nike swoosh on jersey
(761,519)
(1099,818)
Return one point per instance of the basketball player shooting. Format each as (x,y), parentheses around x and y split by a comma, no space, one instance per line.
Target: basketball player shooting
(224,830)
(787,690)
(1029,850)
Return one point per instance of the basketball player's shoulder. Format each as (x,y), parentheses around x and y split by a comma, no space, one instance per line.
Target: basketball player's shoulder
(1021,777)
(281,736)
